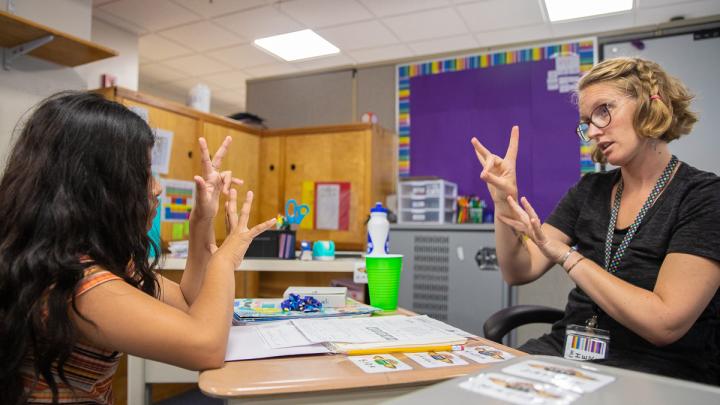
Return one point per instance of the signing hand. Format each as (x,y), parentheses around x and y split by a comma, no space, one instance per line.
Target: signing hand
(527,222)
(213,181)
(499,173)
(239,237)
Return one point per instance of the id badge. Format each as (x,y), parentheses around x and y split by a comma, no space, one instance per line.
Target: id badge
(586,343)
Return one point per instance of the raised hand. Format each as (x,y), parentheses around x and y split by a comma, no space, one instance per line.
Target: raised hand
(499,173)
(239,236)
(213,181)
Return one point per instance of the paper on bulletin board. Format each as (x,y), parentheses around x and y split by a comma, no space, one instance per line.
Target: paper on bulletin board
(140,111)
(161,150)
(178,197)
(308,198)
(332,206)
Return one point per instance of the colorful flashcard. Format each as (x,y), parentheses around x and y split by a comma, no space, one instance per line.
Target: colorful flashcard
(436,359)
(570,378)
(485,354)
(379,363)
(177,200)
(518,390)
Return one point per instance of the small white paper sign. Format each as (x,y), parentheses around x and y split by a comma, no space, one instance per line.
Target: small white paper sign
(327,212)
(379,363)
(517,390)
(570,378)
(485,354)
(161,151)
(359,273)
(568,64)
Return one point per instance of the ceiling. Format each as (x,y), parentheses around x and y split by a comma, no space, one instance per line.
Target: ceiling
(185,42)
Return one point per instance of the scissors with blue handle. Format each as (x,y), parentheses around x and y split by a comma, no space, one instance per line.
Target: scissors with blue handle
(294,212)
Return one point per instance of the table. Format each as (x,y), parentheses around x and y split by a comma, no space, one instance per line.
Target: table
(323,379)
(142,373)
(629,387)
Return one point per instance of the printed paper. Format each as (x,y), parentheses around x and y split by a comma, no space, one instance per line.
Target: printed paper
(518,390)
(379,363)
(485,354)
(436,359)
(177,200)
(161,151)
(570,378)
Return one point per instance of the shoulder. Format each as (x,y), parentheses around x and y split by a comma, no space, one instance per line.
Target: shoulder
(699,186)
(93,277)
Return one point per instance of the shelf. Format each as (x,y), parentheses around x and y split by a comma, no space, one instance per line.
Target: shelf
(63,49)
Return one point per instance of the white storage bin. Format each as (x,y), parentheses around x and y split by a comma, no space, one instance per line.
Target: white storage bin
(427,201)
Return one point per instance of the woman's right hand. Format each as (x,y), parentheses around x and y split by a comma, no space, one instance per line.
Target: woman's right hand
(239,236)
(499,173)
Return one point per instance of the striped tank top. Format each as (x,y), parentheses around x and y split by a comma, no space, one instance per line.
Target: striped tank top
(89,370)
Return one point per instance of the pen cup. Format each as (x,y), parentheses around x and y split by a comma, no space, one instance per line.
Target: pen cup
(383,274)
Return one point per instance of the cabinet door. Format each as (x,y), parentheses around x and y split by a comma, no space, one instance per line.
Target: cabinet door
(242,159)
(332,157)
(183,156)
(270,196)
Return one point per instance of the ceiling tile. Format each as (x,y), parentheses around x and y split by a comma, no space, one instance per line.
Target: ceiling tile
(592,26)
(228,80)
(500,14)
(151,15)
(272,69)
(325,62)
(688,10)
(196,65)
(118,22)
(96,3)
(443,45)
(156,48)
(202,36)
(324,13)
(359,35)
(216,8)
(259,23)
(426,24)
(243,56)
(383,8)
(156,73)
(640,4)
(533,33)
(381,54)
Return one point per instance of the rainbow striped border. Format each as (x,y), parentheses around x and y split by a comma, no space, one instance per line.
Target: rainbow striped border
(586,48)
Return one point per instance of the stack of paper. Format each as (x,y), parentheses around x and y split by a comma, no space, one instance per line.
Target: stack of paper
(178,249)
(249,310)
(338,335)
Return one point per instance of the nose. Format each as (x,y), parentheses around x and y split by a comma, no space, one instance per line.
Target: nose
(156,187)
(593,131)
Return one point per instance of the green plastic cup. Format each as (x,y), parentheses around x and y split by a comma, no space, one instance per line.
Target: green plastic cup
(384,280)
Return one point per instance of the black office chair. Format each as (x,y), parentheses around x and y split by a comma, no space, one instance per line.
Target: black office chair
(503,321)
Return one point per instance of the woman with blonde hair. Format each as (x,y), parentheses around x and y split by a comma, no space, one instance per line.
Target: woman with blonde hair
(640,241)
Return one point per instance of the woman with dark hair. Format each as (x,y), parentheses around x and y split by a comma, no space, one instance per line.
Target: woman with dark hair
(640,241)
(76,287)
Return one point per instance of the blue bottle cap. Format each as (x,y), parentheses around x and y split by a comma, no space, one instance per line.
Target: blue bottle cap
(378,208)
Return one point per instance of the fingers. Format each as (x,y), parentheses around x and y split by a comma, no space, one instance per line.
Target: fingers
(245,211)
(512,149)
(513,223)
(481,152)
(262,227)
(200,182)
(486,175)
(529,209)
(221,152)
(522,215)
(231,213)
(226,181)
(206,164)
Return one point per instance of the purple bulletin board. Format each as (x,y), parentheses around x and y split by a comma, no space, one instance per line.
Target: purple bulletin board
(444,108)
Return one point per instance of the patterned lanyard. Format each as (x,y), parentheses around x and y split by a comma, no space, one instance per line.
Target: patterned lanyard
(612,266)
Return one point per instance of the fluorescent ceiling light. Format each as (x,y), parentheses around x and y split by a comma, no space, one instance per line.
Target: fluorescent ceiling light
(297,45)
(561,10)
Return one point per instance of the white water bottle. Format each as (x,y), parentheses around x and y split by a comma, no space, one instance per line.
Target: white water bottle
(378,232)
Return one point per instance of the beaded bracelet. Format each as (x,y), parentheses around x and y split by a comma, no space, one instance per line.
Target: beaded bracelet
(575,264)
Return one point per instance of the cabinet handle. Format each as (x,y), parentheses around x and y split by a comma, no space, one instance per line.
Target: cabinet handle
(190,154)
(272,167)
(292,166)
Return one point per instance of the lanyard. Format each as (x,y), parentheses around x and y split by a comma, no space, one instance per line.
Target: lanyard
(612,265)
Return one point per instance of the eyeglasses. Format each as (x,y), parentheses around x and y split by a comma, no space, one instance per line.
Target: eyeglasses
(600,117)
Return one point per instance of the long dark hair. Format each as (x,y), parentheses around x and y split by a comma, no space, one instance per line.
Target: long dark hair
(74,194)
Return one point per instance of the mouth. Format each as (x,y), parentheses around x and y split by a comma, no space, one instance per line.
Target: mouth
(604,145)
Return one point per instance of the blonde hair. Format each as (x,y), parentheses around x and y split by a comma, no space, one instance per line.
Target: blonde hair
(663,101)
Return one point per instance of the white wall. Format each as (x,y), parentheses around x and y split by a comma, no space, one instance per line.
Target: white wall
(124,66)
(30,79)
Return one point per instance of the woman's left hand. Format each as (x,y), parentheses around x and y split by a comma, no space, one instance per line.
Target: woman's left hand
(527,223)
(212,182)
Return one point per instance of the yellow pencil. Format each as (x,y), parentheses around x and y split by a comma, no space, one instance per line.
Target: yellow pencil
(414,349)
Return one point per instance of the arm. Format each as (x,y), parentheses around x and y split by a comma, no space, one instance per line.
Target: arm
(520,260)
(685,285)
(116,316)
